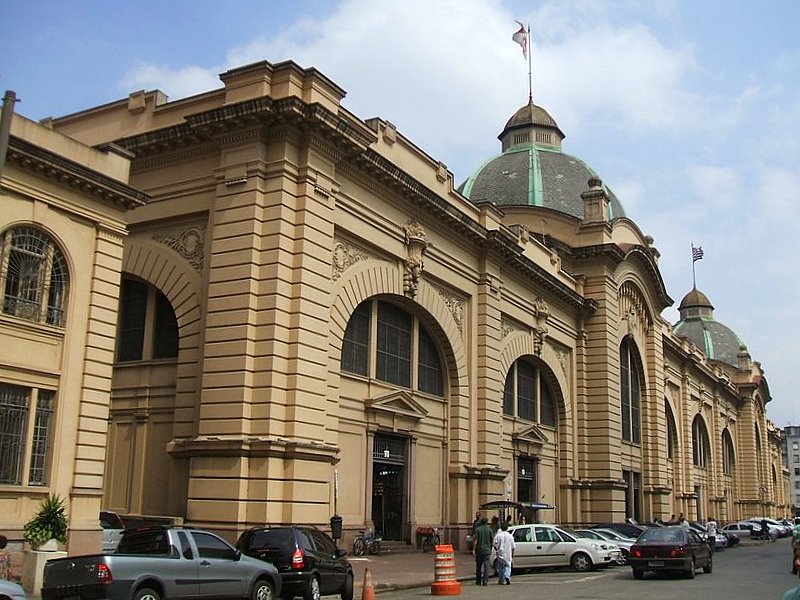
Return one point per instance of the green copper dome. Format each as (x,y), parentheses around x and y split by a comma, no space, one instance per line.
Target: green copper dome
(533,171)
(697,323)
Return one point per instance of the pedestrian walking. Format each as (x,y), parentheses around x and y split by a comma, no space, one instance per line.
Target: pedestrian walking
(504,547)
(482,550)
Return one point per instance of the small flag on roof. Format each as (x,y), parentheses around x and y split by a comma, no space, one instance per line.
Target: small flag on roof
(521,37)
(697,253)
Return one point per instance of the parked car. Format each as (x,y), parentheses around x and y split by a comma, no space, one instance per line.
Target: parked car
(627,529)
(309,563)
(603,537)
(775,531)
(112,529)
(720,541)
(740,529)
(670,549)
(543,545)
(11,591)
(162,562)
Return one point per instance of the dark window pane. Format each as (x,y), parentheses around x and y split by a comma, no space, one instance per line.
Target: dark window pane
(13,423)
(429,368)
(355,347)
(165,333)
(526,480)
(625,373)
(394,345)
(547,405)
(526,390)
(133,311)
(508,392)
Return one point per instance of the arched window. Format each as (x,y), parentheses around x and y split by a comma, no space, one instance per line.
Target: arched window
(528,390)
(148,329)
(701,446)
(672,431)
(630,387)
(728,456)
(405,351)
(33,276)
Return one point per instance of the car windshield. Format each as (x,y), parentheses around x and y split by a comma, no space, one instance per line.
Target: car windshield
(662,534)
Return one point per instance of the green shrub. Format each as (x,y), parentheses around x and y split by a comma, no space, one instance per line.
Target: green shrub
(50,522)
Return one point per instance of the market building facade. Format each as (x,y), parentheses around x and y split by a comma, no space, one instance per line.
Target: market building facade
(314,321)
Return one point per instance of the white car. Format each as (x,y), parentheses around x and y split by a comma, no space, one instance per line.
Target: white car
(542,545)
(603,536)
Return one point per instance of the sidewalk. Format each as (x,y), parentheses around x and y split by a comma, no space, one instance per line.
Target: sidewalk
(392,571)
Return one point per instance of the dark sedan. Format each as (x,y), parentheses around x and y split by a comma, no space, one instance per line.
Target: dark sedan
(670,549)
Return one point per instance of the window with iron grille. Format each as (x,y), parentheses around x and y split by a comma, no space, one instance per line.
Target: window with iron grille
(33,276)
(22,446)
(389,449)
(404,350)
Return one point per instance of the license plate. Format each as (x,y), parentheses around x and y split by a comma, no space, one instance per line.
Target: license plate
(656,563)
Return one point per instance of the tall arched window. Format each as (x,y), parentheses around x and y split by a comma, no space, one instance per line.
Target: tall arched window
(405,351)
(672,431)
(701,446)
(630,388)
(33,276)
(728,456)
(148,329)
(528,390)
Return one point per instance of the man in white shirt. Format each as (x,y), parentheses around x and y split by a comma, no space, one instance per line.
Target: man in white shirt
(504,547)
(711,530)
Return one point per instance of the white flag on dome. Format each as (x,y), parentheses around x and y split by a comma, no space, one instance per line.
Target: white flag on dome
(521,37)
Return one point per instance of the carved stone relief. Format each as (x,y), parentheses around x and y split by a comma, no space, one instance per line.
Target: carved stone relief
(344,256)
(455,305)
(188,241)
(416,243)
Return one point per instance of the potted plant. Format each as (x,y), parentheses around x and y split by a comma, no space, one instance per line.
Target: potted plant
(49,523)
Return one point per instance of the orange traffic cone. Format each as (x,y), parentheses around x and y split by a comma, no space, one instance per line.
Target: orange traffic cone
(368,593)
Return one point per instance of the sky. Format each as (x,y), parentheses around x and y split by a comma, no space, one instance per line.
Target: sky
(689,110)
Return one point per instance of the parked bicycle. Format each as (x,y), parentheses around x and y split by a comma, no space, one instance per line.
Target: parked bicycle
(367,542)
(430,537)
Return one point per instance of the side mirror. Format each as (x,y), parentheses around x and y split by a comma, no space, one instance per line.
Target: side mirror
(340,553)
(237,554)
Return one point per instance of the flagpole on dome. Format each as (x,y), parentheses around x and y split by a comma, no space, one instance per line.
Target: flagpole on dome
(522,37)
(697,254)
(530,69)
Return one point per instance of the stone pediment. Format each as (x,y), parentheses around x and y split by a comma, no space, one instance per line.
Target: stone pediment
(398,402)
(530,435)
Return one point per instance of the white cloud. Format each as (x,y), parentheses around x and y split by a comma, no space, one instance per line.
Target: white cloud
(175,82)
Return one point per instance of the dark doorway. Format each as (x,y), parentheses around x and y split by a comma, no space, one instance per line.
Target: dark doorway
(389,487)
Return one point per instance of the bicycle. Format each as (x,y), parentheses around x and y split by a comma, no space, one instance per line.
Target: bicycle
(430,537)
(367,541)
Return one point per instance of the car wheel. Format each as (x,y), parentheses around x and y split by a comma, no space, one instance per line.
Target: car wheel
(312,591)
(262,590)
(621,559)
(638,573)
(581,562)
(692,567)
(146,594)
(709,565)
(347,590)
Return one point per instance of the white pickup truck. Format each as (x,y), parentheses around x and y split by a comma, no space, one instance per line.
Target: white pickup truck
(155,563)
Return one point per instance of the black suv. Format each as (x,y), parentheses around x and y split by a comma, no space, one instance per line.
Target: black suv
(307,559)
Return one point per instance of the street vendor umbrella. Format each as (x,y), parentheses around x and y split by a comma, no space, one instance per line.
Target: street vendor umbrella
(501,505)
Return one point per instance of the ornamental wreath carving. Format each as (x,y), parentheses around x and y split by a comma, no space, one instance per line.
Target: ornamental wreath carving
(188,242)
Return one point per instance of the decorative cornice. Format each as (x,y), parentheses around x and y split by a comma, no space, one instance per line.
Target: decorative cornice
(254,446)
(42,162)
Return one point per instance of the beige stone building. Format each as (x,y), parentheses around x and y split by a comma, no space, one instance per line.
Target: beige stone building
(313,320)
